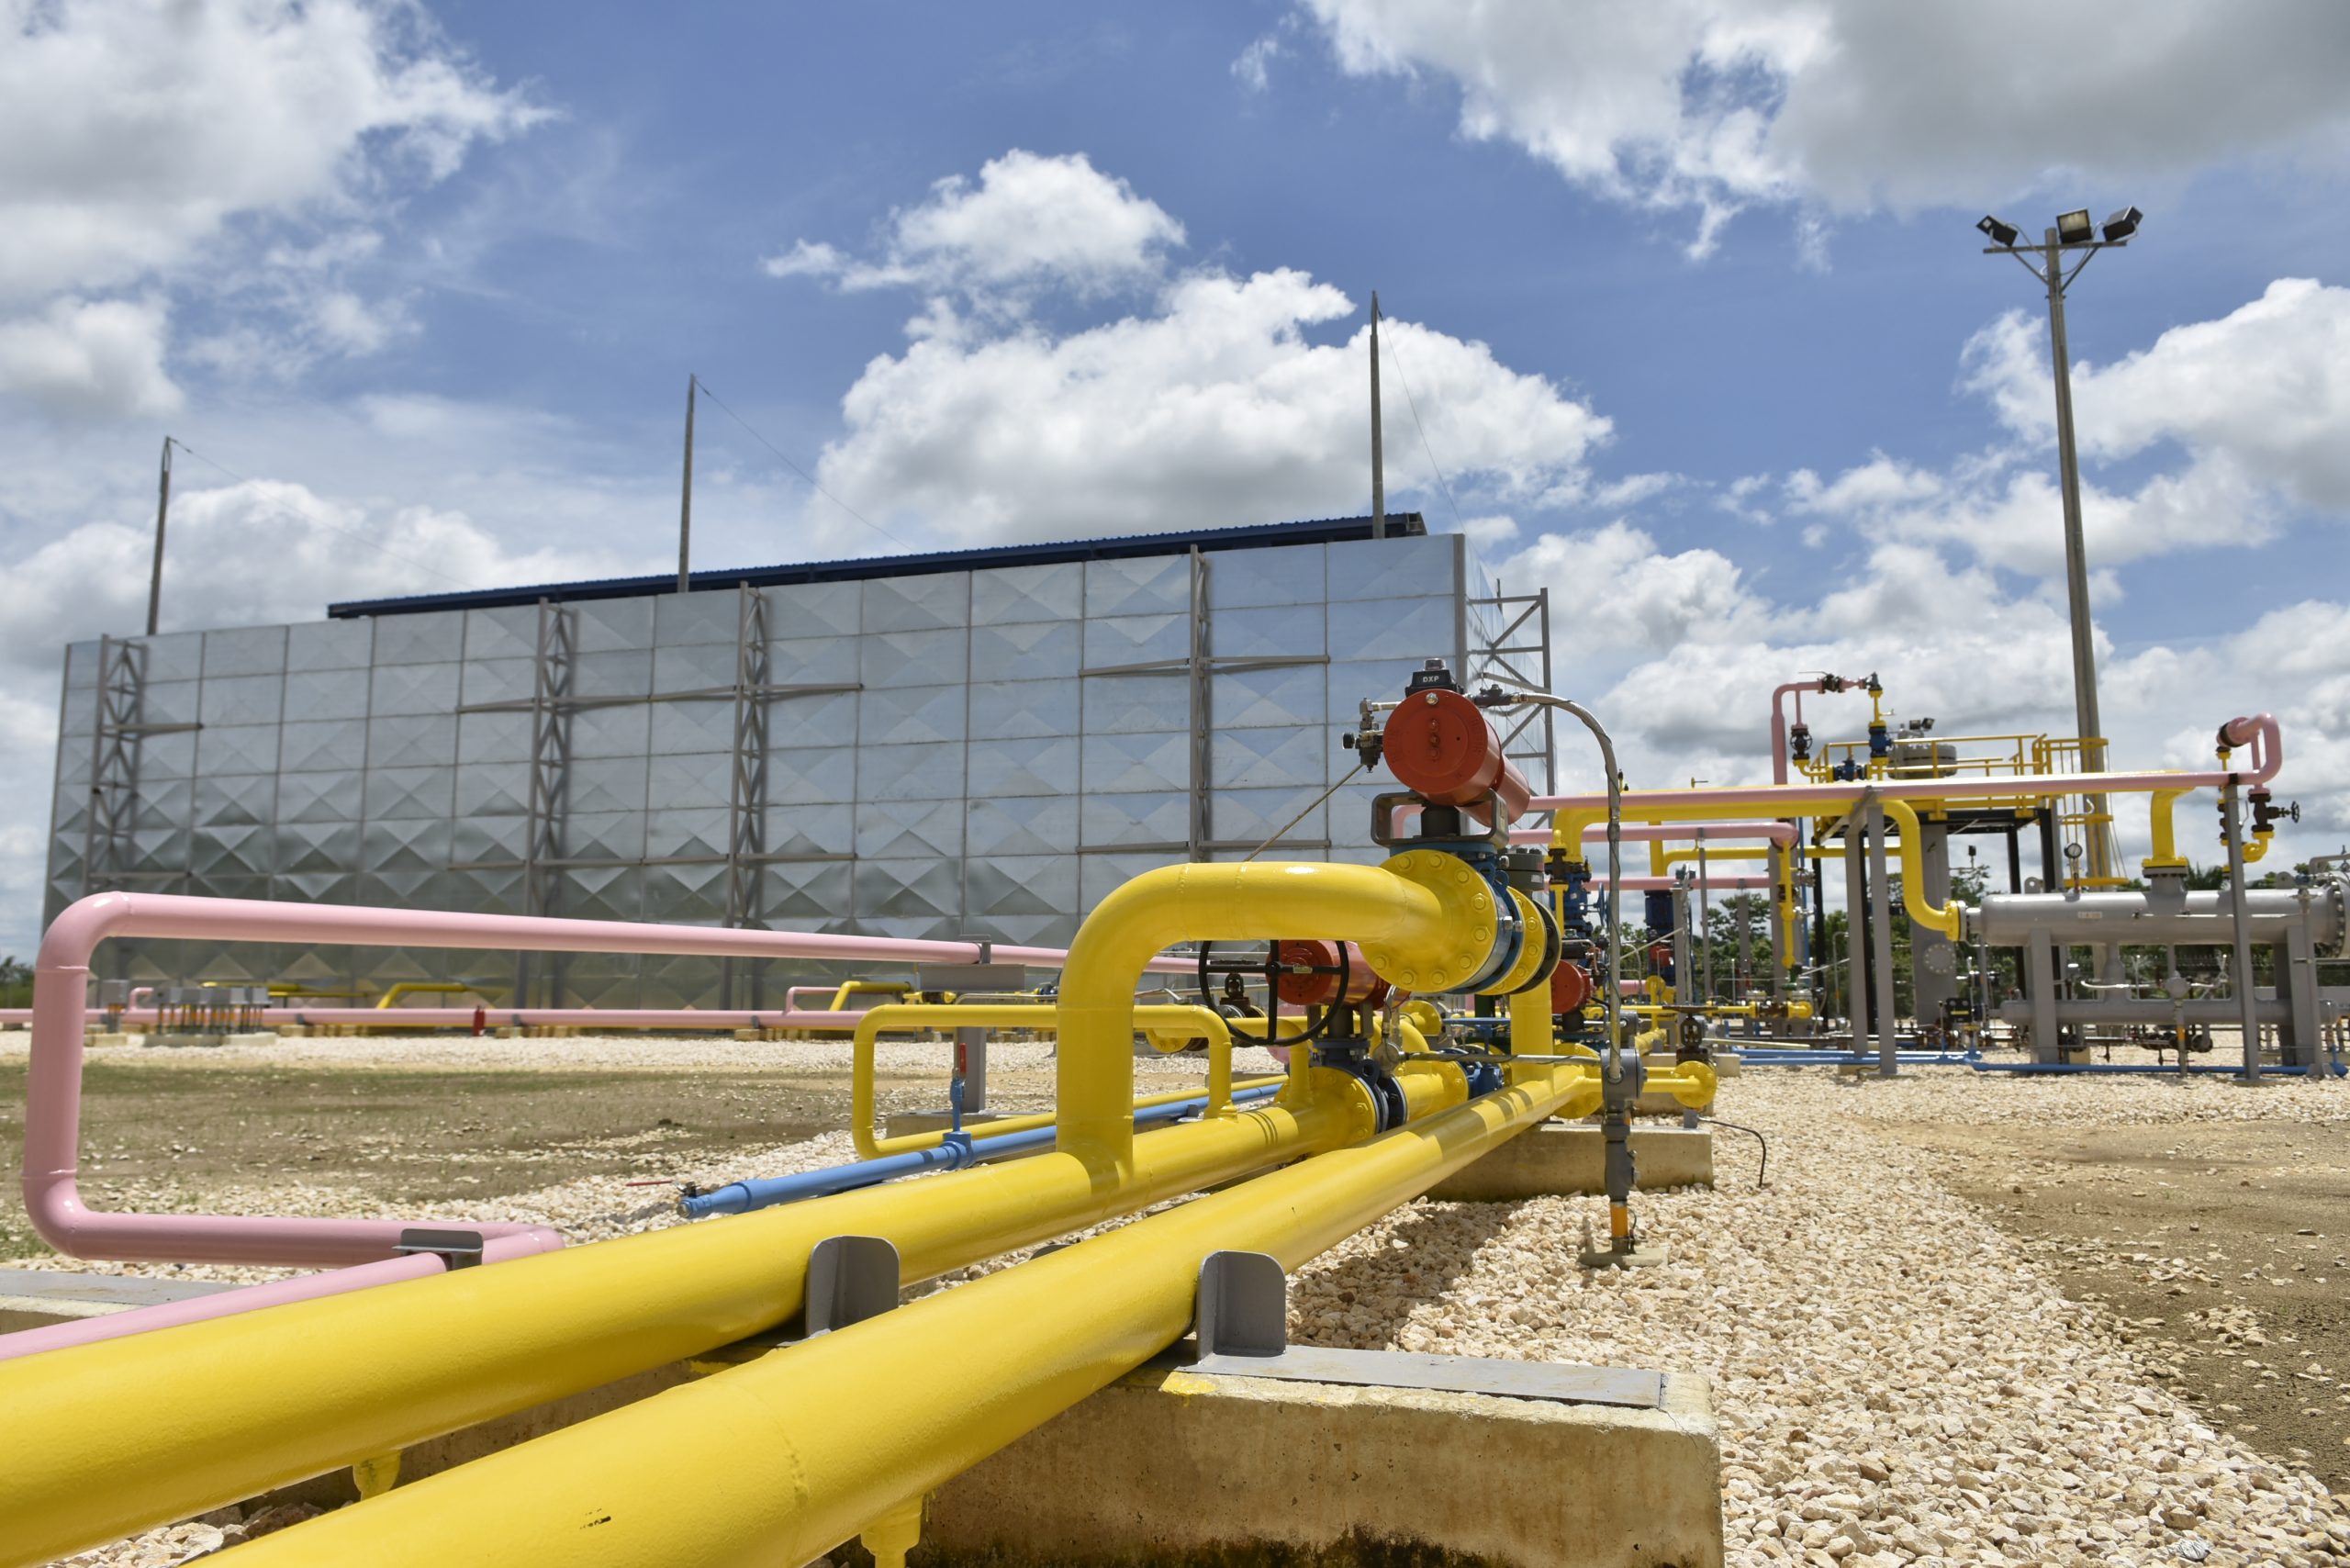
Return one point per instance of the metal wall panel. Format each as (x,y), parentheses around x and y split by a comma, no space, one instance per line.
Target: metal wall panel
(814,610)
(1008,594)
(1284,632)
(1106,822)
(1116,704)
(812,661)
(804,776)
(691,781)
(891,715)
(1419,628)
(1117,764)
(1258,757)
(932,772)
(1120,640)
(1140,585)
(1252,816)
(426,638)
(913,658)
(904,829)
(1018,710)
(815,829)
(320,695)
(917,604)
(1291,694)
(329,645)
(963,777)
(509,631)
(242,698)
(236,800)
(1034,824)
(1044,765)
(237,748)
(1026,650)
(1288,577)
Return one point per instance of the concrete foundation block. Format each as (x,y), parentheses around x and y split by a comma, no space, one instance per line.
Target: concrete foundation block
(1165,1466)
(98,1040)
(34,1298)
(1560,1158)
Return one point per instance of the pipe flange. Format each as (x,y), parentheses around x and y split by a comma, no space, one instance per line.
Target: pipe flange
(1472,925)
(1534,960)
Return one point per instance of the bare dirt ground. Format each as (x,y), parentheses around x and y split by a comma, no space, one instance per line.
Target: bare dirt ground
(2223,1249)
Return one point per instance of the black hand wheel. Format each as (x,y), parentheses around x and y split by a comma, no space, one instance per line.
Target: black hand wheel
(1269,966)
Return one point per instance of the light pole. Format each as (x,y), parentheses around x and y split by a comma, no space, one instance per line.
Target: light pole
(2073,232)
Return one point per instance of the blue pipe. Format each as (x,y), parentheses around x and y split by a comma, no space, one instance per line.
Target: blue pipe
(2216,1069)
(955,1151)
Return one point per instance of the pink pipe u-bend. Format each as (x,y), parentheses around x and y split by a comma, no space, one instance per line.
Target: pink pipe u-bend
(53,1093)
(2259,732)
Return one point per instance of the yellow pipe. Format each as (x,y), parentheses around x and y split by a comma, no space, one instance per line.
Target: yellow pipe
(1424,919)
(782,1459)
(867,988)
(1567,828)
(1530,1030)
(353,1377)
(419,987)
(1189,1020)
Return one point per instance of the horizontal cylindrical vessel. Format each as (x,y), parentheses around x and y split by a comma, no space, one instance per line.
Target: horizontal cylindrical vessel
(2154,917)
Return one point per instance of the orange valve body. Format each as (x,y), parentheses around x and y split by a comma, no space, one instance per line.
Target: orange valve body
(1443,748)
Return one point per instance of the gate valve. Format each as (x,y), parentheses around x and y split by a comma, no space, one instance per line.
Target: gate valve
(2266,814)
(1799,743)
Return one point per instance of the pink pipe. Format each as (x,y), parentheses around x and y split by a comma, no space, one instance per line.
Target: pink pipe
(247,1298)
(60,984)
(1666,884)
(1669,832)
(2259,730)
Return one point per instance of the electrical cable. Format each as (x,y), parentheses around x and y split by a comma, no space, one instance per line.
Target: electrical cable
(795,467)
(1301,816)
(1760,1170)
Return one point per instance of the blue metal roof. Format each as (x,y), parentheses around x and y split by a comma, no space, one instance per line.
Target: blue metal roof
(1257,536)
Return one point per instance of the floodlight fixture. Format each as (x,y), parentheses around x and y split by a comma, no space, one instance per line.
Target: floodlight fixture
(2074,227)
(2122,224)
(1999,230)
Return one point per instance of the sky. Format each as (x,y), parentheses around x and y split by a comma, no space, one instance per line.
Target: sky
(1684,302)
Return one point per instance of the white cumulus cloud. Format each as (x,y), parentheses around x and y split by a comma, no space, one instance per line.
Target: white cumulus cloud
(1847,106)
(1028,220)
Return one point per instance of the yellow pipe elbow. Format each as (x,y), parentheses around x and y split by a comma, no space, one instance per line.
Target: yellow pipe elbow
(2161,810)
(1913,871)
(1426,920)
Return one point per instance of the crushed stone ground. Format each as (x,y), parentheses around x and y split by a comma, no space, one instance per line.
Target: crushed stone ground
(1897,1380)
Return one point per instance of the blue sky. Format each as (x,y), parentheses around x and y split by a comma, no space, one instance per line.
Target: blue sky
(1688,298)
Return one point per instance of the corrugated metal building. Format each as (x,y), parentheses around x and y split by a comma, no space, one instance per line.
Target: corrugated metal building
(979,743)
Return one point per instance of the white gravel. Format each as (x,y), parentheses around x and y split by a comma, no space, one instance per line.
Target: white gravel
(1896,1379)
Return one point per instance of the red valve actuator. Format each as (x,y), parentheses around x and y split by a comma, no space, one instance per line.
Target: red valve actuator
(1363,987)
(1443,748)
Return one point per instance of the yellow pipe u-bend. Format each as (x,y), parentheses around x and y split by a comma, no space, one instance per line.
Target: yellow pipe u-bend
(870,1145)
(1435,922)
(1567,829)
